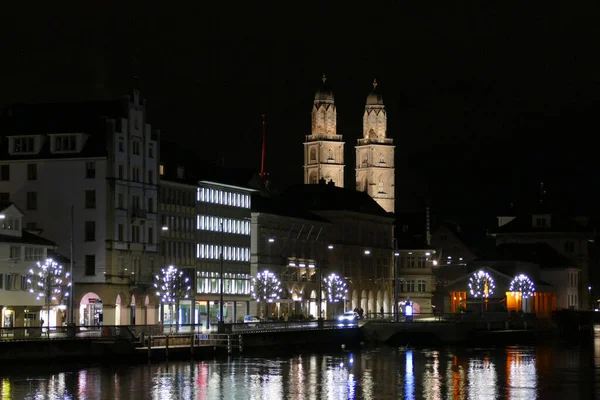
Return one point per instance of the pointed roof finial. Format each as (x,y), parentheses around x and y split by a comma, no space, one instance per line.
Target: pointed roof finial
(324,78)
(374,83)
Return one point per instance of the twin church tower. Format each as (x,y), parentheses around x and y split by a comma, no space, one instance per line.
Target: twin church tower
(324,148)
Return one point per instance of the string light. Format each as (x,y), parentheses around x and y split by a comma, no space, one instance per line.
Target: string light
(521,283)
(47,283)
(336,288)
(265,287)
(481,284)
(172,285)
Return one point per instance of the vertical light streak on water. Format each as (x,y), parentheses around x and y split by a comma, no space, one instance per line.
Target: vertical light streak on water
(409,378)
(482,379)
(522,377)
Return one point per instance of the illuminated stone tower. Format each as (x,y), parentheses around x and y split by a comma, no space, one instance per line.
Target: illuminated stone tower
(324,148)
(375,154)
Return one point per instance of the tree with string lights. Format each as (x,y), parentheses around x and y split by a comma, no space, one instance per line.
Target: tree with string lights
(48,280)
(172,286)
(336,288)
(265,287)
(522,285)
(481,285)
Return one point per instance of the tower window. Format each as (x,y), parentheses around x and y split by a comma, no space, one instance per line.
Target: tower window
(313,155)
(330,155)
(381,158)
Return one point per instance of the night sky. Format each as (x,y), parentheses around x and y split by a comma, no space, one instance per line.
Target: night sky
(483,102)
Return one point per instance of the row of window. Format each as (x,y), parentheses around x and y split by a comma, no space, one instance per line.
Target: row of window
(572,299)
(136,174)
(31,253)
(210,223)
(210,283)
(410,286)
(136,234)
(230,253)
(14,282)
(13,224)
(177,197)
(216,196)
(178,223)
(136,204)
(136,146)
(415,262)
(172,249)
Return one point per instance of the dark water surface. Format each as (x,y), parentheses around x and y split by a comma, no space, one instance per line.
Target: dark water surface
(556,371)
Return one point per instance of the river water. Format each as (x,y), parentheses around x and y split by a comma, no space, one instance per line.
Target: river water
(550,371)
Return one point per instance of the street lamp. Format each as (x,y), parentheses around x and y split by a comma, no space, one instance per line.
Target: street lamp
(367,252)
(271,240)
(165,228)
(330,247)
(396,291)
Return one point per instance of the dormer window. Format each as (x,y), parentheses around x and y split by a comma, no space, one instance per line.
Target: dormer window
(23,144)
(541,221)
(65,143)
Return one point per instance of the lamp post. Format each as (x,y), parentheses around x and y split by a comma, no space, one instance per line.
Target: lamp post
(221,325)
(396,291)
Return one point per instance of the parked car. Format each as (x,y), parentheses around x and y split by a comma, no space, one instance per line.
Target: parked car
(349,317)
(251,321)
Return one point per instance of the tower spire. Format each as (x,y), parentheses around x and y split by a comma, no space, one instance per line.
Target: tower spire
(263,175)
(374,83)
(324,78)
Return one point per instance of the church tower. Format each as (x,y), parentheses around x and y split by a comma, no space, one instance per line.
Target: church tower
(375,154)
(324,148)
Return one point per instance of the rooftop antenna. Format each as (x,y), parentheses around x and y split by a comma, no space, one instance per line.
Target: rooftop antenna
(264,175)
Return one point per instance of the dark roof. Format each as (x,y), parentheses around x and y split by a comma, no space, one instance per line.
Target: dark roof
(5,205)
(47,118)
(173,155)
(27,238)
(326,197)
(411,242)
(279,207)
(558,223)
(538,253)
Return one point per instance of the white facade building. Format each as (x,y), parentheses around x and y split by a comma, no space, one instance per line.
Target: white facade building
(19,253)
(97,161)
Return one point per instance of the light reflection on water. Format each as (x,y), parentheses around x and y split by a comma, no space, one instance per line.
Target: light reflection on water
(507,373)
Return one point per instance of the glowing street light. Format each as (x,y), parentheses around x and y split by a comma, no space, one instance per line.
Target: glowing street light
(367,252)
(271,240)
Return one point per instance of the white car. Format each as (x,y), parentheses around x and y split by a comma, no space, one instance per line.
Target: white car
(349,317)
(251,320)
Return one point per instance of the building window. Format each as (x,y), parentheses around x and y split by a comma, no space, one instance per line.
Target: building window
(569,247)
(381,159)
(4,172)
(410,286)
(150,204)
(65,143)
(421,285)
(23,145)
(151,151)
(135,233)
(90,231)
(15,253)
(135,147)
(90,199)
(150,176)
(120,199)
(90,265)
(330,155)
(313,155)
(120,172)
(410,262)
(121,145)
(150,235)
(120,232)
(421,262)
(380,186)
(31,172)
(540,221)
(90,169)
(32,200)
(161,170)
(136,174)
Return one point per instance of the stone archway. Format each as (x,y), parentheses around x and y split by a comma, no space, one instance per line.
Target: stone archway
(386,303)
(355,299)
(364,301)
(379,307)
(90,309)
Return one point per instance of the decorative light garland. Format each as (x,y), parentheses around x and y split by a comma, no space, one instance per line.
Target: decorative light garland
(521,283)
(172,285)
(265,287)
(336,288)
(48,280)
(481,284)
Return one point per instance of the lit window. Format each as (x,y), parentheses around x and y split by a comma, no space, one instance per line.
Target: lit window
(220,197)
(198,225)
(161,169)
(198,250)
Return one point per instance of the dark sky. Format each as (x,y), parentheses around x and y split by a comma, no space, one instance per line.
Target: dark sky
(483,102)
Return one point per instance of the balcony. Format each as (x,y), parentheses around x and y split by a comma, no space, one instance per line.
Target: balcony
(362,142)
(137,214)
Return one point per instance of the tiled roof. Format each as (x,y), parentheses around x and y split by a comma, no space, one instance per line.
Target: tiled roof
(325,197)
(27,238)
(280,207)
(558,223)
(538,253)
